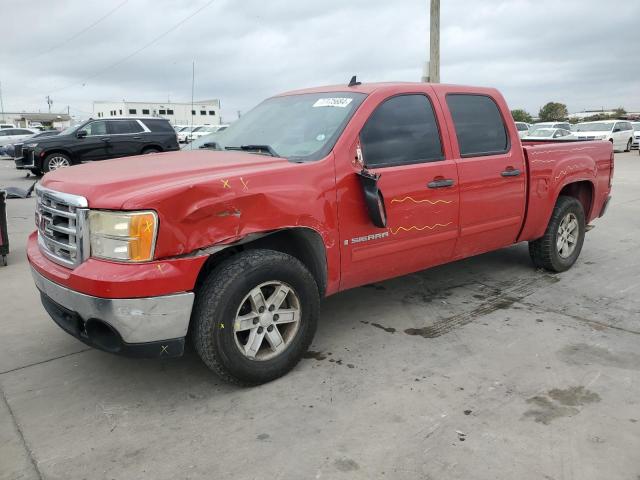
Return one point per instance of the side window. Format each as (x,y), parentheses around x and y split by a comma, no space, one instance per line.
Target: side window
(23,132)
(478,123)
(96,128)
(401,131)
(159,126)
(124,126)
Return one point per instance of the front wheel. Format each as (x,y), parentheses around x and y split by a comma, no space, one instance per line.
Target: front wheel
(255,316)
(558,249)
(628,149)
(54,161)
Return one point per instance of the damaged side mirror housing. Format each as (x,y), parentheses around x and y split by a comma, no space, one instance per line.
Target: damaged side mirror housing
(373,198)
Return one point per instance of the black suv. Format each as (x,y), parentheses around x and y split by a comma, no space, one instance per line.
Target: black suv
(97,140)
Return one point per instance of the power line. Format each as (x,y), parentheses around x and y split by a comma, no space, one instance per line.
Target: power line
(73,37)
(134,53)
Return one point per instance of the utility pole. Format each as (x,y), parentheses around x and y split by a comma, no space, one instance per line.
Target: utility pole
(49,103)
(1,103)
(432,68)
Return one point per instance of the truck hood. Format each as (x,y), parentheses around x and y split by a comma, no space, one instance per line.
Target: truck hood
(137,182)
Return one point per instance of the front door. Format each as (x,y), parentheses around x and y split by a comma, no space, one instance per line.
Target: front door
(491,172)
(95,145)
(401,141)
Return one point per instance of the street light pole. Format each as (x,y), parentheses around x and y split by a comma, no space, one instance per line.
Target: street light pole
(432,70)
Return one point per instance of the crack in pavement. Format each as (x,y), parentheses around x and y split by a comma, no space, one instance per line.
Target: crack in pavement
(578,318)
(45,361)
(26,447)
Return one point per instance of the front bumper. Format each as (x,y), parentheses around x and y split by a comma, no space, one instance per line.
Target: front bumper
(140,327)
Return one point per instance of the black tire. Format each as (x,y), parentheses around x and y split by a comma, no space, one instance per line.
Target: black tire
(544,251)
(36,172)
(148,150)
(628,149)
(52,159)
(221,295)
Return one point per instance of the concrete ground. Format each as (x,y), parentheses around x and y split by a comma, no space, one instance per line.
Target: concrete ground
(481,369)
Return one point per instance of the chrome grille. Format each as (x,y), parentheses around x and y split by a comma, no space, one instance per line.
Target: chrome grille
(61,220)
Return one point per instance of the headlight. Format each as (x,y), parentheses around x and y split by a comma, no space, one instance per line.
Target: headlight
(123,236)
(31,145)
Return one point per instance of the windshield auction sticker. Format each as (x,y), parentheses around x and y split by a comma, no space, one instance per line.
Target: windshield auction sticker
(332,102)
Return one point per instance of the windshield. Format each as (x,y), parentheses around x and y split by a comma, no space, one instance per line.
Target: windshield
(594,127)
(302,127)
(70,130)
(541,132)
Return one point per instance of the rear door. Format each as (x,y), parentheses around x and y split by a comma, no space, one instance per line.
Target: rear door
(403,143)
(491,170)
(126,137)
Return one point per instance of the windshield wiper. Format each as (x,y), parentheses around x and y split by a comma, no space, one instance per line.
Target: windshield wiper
(261,149)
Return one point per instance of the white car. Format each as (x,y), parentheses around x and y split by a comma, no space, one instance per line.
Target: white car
(618,132)
(15,135)
(550,134)
(636,135)
(523,129)
(7,125)
(564,125)
(184,135)
(206,130)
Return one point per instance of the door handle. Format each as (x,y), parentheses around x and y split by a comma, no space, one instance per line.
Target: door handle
(511,172)
(105,139)
(440,183)
(137,138)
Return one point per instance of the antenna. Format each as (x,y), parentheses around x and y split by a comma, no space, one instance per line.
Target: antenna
(354,82)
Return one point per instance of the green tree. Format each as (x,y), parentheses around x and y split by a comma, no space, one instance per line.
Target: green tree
(553,112)
(520,115)
(620,111)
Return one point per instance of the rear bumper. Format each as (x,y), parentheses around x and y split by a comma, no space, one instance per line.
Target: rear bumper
(140,327)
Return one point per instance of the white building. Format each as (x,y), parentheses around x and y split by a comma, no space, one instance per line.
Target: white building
(204,112)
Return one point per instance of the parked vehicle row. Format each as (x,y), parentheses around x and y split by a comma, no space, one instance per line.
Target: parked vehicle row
(311,193)
(187,134)
(621,133)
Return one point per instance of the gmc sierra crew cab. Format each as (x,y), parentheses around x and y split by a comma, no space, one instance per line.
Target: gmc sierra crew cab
(312,192)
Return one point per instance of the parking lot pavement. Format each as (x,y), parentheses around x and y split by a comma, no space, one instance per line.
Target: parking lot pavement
(482,369)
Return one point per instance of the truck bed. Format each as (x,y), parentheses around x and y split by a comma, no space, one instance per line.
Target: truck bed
(554,164)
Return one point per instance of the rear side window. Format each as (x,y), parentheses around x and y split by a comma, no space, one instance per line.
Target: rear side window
(401,131)
(478,123)
(159,126)
(125,126)
(521,127)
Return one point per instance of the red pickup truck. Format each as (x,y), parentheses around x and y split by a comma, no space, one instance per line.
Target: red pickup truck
(312,192)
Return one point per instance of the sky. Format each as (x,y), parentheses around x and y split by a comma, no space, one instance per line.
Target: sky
(583,53)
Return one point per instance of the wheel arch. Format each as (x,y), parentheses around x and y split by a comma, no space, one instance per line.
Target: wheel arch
(303,243)
(62,150)
(154,146)
(583,191)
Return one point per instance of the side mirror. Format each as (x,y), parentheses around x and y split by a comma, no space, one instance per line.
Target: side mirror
(82,133)
(373,198)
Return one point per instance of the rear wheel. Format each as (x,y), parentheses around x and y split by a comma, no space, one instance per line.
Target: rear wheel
(558,249)
(255,316)
(55,161)
(149,150)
